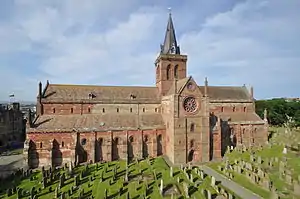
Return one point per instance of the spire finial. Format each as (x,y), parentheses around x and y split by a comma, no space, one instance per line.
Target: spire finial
(170,44)
(170,10)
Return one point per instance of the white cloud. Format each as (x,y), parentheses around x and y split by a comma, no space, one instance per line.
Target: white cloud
(105,42)
(252,44)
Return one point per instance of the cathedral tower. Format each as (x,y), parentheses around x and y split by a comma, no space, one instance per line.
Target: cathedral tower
(170,64)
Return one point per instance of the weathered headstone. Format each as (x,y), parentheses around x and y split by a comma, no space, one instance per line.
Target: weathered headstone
(213,181)
(161,186)
(186,190)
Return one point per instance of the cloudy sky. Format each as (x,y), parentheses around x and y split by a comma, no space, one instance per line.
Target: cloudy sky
(110,42)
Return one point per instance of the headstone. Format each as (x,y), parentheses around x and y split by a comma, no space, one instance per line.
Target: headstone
(213,181)
(186,190)
(259,161)
(201,175)
(284,150)
(161,186)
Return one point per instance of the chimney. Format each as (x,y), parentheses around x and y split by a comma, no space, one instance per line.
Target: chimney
(205,87)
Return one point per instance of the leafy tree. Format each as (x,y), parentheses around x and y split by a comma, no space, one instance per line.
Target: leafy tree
(278,109)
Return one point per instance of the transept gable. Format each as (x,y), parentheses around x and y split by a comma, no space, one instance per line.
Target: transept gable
(189,87)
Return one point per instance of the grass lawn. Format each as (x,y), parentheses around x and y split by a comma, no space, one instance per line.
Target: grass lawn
(105,171)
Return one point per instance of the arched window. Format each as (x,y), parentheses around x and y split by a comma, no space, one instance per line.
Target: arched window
(116,141)
(83,141)
(146,138)
(222,109)
(233,109)
(118,110)
(53,110)
(100,141)
(245,109)
(157,72)
(176,71)
(131,110)
(168,71)
(192,127)
(41,144)
(192,143)
(143,109)
(103,110)
(72,110)
(89,110)
(155,109)
(62,144)
(130,139)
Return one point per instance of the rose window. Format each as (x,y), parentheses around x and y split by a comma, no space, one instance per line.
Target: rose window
(190,104)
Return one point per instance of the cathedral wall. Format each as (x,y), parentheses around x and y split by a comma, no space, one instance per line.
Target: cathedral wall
(43,145)
(191,138)
(250,135)
(94,146)
(66,109)
(229,107)
(167,114)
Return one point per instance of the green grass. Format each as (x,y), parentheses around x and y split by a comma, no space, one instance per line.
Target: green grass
(293,163)
(97,188)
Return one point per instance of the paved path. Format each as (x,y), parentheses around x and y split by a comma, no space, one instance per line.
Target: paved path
(11,163)
(236,188)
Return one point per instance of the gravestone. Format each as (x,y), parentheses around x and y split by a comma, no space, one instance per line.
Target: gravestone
(213,181)
(186,190)
(284,150)
(161,188)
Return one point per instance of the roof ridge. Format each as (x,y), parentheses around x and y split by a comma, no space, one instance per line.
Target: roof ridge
(224,86)
(90,85)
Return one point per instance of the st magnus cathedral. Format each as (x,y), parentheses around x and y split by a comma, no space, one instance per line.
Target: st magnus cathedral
(184,120)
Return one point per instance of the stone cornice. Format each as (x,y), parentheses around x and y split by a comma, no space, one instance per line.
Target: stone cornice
(108,101)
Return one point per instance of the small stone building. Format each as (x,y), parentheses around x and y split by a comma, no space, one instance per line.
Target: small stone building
(177,117)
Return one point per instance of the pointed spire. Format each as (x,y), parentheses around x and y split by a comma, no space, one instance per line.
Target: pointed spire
(170,44)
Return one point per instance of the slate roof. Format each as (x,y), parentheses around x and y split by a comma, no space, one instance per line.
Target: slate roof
(90,122)
(77,93)
(241,117)
(217,92)
(227,92)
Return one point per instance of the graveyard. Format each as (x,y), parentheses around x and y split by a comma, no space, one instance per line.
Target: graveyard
(271,171)
(149,178)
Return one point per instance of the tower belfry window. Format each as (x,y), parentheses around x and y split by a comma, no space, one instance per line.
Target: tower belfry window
(176,71)
(168,71)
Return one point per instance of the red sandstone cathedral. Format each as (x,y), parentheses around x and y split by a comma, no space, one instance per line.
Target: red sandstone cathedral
(177,118)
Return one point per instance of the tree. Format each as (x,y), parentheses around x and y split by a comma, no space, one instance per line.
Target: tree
(278,109)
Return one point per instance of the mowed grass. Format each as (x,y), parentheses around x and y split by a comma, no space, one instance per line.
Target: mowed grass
(275,151)
(97,188)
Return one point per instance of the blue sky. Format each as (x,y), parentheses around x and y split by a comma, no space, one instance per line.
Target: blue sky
(109,42)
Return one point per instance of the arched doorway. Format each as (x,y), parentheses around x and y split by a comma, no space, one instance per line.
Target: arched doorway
(191,151)
(98,150)
(159,145)
(33,155)
(80,152)
(130,148)
(115,149)
(56,154)
(145,146)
